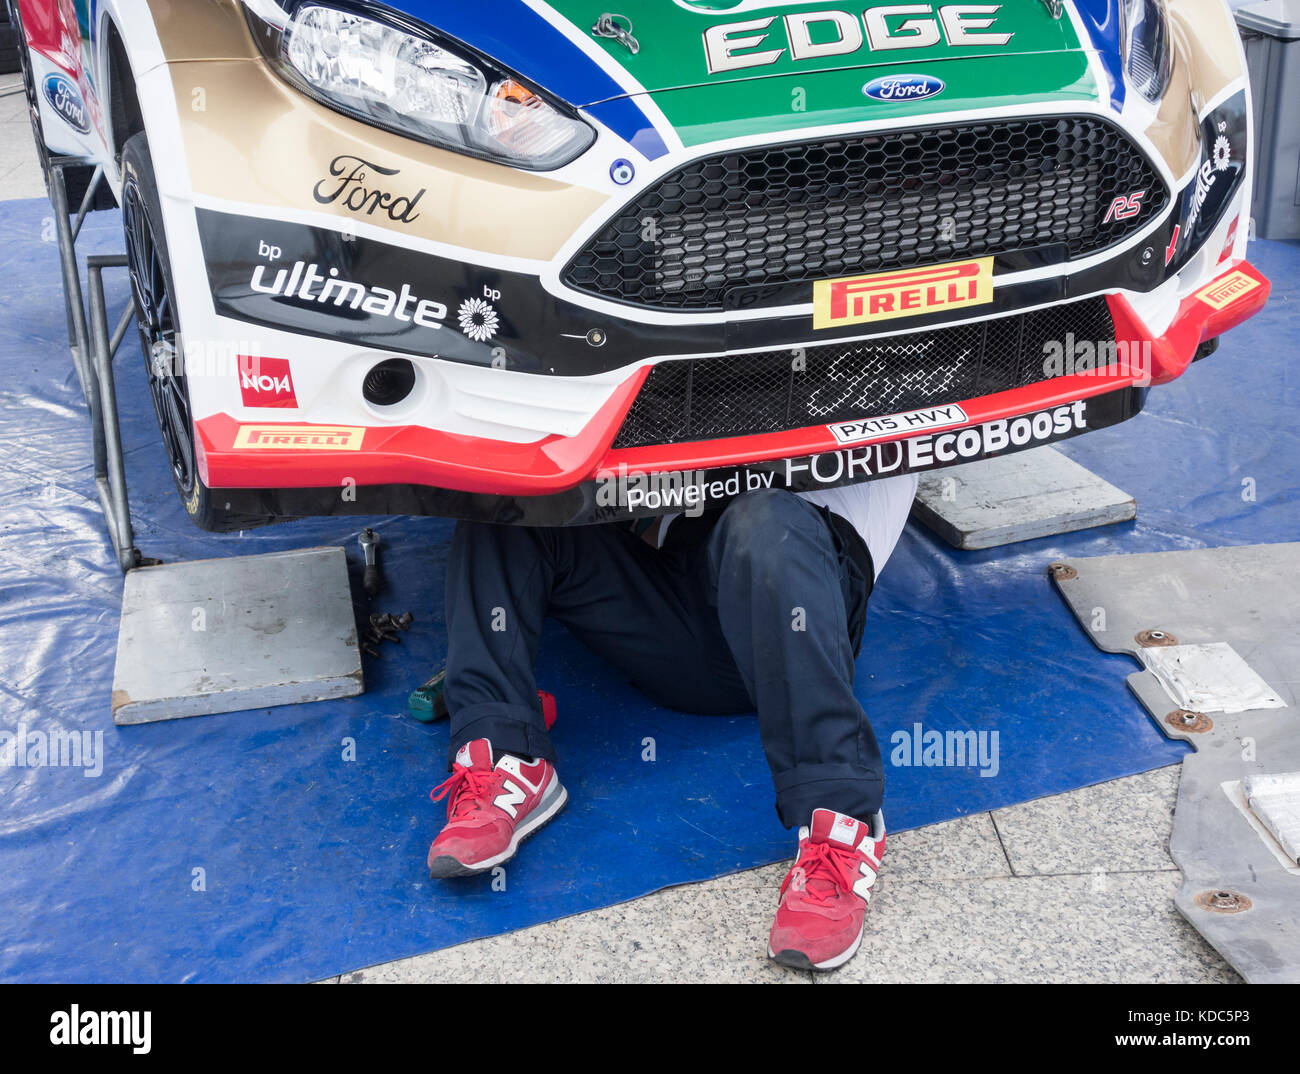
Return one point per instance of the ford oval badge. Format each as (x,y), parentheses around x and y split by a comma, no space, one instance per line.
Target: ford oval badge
(903,87)
(64,99)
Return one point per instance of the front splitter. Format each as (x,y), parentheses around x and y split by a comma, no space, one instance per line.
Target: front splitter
(627,494)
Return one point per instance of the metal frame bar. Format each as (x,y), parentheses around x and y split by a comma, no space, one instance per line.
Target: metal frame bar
(93,349)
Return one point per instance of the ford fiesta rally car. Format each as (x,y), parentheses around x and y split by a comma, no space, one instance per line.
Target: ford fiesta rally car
(573,261)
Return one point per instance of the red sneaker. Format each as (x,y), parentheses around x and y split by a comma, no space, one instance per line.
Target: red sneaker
(491,807)
(818,925)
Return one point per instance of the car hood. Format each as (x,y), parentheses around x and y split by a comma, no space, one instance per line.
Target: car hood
(672,44)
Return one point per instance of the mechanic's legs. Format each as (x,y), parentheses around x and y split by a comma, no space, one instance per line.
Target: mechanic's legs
(643,610)
(498,586)
(786,595)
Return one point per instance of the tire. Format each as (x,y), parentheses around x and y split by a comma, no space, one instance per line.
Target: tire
(161,340)
(29,90)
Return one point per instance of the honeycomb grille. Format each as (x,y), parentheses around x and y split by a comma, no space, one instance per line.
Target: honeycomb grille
(744,394)
(805,211)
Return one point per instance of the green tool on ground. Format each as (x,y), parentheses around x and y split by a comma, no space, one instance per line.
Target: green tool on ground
(427,703)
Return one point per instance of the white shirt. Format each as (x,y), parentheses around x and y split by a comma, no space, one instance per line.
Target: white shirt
(878,510)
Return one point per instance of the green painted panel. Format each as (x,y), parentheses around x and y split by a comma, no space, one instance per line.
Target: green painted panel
(771,105)
(687,43)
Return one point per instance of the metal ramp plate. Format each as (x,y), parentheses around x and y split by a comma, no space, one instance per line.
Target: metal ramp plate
(245,632)
(1018,497)
(1240,890)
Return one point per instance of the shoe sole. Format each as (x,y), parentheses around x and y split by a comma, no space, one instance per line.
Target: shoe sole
(797,960)
(444,866)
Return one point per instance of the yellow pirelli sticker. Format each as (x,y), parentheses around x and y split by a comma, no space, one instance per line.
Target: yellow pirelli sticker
(885,295)
(300,437)
(1223,292)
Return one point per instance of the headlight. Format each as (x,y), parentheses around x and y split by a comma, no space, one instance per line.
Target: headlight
(388,71)
(1146,47)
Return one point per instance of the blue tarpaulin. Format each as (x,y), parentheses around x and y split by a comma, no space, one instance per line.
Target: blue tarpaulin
(248,846)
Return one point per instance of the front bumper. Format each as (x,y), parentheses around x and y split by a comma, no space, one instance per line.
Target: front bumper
(296,468)
(525,384)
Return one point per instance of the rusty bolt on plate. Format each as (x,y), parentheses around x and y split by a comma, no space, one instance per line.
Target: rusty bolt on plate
(1062,572)
(1223,901)
(1150,639)
(1186,720)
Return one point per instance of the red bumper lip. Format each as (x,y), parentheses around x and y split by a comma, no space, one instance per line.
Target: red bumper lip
(1236,294)
(412,454)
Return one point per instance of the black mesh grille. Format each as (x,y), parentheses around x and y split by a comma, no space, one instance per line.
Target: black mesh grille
(738,395)
(790,213)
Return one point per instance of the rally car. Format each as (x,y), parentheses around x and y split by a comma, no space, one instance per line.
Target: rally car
(565,262)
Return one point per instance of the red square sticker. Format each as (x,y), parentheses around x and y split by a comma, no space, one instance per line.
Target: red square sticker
(266,382)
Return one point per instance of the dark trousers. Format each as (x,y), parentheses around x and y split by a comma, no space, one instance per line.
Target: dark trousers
(758,606)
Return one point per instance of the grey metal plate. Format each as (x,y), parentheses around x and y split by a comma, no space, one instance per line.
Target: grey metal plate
(1248,597)
(1018,497)
(221,635)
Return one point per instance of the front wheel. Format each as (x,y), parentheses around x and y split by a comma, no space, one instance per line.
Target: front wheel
(29,91)
(160,337)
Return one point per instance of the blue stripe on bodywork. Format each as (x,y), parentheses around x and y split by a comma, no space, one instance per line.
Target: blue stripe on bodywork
(1101,20)
(623,115)
(517,36)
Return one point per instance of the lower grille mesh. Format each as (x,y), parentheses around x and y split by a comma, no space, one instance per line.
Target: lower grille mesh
(745,394)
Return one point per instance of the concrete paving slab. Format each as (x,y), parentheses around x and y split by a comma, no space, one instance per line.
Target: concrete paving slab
(1113,928)
(962,849)
(1099,927)
(1019,497)
(1122,825)
(20,174)
(715,932)
(24,180)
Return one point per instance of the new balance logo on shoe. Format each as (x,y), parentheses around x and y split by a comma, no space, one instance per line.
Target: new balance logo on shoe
(513,797)
(862,887)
